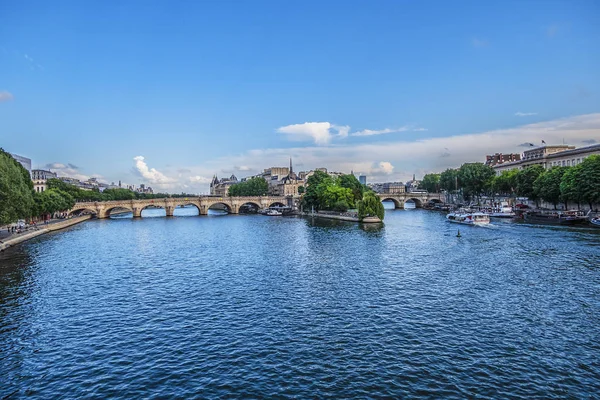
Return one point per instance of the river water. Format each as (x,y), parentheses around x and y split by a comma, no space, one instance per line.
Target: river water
(254,306)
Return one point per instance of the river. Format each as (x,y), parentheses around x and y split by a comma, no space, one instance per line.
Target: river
(253,306)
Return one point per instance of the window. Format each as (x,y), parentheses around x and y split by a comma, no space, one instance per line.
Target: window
(568,163)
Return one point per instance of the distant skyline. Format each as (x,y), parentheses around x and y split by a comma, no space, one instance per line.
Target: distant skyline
(170,94)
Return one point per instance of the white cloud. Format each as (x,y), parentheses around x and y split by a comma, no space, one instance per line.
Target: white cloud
(152,175)
(383,168)
(370,132)
(71,171)
(199,179)
(5,96)
(242,168)
(320,132)
(524,114)
(420,129)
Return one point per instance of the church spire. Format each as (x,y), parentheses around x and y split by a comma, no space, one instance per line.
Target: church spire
(291,170)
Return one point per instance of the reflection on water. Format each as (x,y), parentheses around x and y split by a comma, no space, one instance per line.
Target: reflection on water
(250,306)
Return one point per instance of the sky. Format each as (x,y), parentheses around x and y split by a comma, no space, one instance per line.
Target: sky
(171,93)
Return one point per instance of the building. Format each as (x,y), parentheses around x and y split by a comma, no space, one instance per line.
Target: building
(24,161)
(39,178)
(362,179)
(220,187)
(413,186)
(288,185)
(500,158)
(394,188)
(144,189)
(550,156)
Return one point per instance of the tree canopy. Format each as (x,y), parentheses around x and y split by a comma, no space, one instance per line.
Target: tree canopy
(431,183)
(370,206)
(475,178)
(16,190)
(256,186)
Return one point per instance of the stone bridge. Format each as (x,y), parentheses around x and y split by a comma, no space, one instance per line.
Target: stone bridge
(419,198)
(102,209)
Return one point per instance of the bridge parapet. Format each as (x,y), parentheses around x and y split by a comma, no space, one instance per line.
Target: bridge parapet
(102,209)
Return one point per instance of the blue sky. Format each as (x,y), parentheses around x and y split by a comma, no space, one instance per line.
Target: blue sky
(197,88)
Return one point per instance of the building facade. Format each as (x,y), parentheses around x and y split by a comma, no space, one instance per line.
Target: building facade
(220,187)
(39,177)
(24,161)
(550,156)
(500,158)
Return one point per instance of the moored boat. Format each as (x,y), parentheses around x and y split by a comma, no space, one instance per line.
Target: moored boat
(273,213)
(555,217)
(503,212)
(595,222)
(468,218)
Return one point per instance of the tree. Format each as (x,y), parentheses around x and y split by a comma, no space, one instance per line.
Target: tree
(370,206)
(449,180)
(475,178)
(525,179)
(256,186)
(53,200)
(547,185)
(505,183)
(431,183)
(300,189)
(571,185)
(350,182)
(590,180)
(316,185)
(16,190)
(333,194)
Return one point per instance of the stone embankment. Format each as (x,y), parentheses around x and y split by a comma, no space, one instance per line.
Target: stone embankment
(19,238)
(350,217)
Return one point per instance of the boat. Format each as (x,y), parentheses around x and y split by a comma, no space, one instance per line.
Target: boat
(468,217)
(573,217)
(595,222)
(505,211)
(273,213)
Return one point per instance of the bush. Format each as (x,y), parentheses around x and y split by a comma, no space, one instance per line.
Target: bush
(340,206)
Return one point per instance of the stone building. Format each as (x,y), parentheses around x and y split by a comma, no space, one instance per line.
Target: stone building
(39,178)
(220,187)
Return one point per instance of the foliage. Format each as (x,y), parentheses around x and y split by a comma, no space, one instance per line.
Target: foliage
(431,183)
(350,182)
(300,189)
(505,183)
(370,206)
(333,194)
(316,185)
(256,186)
(590,178)
(571,184)
(475,178)
(525,179)
(340,206)
(547,185)
(53,200)
(449,180)
(16,190)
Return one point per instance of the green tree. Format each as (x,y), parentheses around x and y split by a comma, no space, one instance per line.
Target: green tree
(349,181)
(525,179)
(53,200)
(431,183)
(333,194)
(449,180)
(315,188)
(475,178)
(256,186)
(16,190)
(300,189)
(590,178)
(547,185)
(571,185)
(505,183)
(370,206)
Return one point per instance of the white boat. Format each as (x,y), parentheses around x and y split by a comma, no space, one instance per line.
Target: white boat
(273,213)
(468,218)
(595,222)
(503,212)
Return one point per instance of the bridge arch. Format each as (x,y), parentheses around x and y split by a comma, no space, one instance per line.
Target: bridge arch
(277,204)
(418,202)
(78,211)
(397,203)
(250,206)
(181,205)
(226,206)
(109,210)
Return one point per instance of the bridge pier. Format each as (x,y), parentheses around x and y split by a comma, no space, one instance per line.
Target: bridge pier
(137,212)
(169,210)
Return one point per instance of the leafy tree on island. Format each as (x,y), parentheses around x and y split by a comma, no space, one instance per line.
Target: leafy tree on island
(370,206)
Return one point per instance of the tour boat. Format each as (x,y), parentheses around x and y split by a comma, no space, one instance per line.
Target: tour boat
(595,222)
(468,218)
(273,213)
(555,217)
